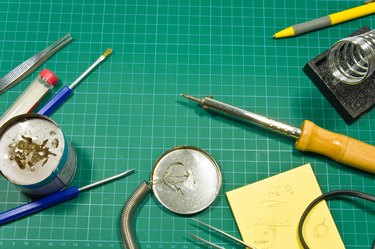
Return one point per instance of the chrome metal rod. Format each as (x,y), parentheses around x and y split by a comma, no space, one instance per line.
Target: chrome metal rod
(209,103)
(206,241)
(225,234)
(109,179)
(88,70)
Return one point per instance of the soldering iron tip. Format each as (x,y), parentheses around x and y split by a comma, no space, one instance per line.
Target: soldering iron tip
(190,97)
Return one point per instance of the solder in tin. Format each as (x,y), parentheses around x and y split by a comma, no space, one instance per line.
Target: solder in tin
(37,158)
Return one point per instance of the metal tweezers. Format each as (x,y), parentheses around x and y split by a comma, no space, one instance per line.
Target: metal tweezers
(28,66)
(223,233)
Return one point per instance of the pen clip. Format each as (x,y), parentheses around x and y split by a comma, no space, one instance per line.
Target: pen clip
(368,1)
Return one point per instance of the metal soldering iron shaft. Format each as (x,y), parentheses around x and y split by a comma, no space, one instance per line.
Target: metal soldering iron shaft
(209,103)
(310,137)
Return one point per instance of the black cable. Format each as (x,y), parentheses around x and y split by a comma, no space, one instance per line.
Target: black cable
(327,196)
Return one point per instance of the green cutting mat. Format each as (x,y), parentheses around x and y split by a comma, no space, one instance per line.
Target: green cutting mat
(128,112)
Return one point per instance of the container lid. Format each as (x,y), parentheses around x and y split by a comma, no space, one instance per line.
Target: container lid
(186,180)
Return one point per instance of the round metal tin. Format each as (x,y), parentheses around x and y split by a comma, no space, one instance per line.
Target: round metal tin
(36,157)
(186,180)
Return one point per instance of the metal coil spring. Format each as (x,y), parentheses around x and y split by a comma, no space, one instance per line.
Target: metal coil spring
(128,212)
(352,60)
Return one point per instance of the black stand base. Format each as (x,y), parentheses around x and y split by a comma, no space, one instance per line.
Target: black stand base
(351,102)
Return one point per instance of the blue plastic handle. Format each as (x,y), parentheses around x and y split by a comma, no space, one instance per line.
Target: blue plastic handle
(56,101)
(38,205)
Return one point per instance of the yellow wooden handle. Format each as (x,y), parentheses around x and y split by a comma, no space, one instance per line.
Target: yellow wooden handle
(340,148)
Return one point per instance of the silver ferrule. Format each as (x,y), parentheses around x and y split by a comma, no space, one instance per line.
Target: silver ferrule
(285,129)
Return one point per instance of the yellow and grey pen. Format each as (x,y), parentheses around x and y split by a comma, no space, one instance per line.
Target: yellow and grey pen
(326,21)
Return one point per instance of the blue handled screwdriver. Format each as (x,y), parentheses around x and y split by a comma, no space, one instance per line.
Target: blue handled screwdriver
(53,199)
(66,91)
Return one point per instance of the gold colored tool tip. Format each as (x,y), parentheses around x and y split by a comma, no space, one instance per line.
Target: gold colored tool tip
(107,52)
(190,97)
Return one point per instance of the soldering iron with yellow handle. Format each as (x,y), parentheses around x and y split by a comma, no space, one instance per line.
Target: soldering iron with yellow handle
(310,137)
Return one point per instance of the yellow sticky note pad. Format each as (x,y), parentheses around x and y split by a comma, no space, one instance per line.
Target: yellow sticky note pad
(267,212)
